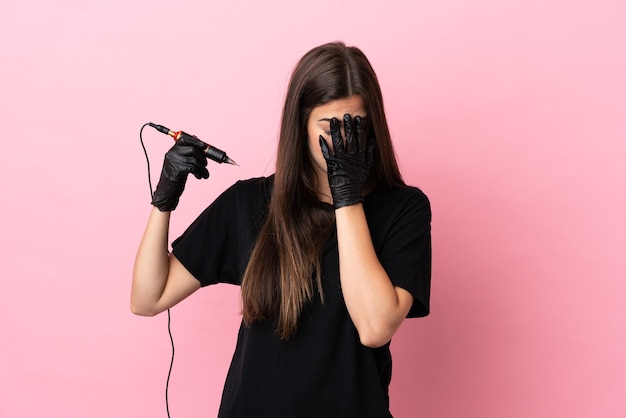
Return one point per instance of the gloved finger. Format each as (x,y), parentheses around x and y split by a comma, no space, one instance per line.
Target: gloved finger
(182,150)
(324,146)
(359,133)
(201,173)
(335,134)
(189,140)
(370,147)
(184,155)
(198,163)
(351,145)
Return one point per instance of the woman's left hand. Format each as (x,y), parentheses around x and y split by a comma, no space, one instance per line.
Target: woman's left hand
(349,164)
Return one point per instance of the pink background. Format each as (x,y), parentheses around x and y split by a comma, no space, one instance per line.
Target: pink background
(511,115)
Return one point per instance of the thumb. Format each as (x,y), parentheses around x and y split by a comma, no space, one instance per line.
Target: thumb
(325,149)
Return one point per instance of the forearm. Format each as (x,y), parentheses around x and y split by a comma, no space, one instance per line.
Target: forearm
(151,264)
(376,307)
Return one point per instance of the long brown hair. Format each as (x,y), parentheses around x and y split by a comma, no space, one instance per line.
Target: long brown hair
(278,282)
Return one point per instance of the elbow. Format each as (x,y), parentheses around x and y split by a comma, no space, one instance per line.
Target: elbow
(374,342)
(378,332)
(373,337)
(377,329)
(140,310)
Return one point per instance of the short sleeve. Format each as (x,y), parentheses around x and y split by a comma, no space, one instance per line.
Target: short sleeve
(403,241)
(216,247)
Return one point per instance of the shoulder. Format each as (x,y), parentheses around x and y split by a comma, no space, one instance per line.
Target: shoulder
(254,181)
(253,185)
(399,200)
(246,199)
(410,194)
(256,188)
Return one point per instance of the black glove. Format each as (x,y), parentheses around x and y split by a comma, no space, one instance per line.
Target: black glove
(349,165)
(186,156)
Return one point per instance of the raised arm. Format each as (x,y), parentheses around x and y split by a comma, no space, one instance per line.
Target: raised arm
(376,306)
(159,280)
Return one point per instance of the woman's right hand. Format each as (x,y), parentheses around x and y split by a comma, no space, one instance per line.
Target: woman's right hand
(186,156)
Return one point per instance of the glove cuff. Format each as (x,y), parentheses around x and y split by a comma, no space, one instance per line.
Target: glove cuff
(166,197)
(347,202)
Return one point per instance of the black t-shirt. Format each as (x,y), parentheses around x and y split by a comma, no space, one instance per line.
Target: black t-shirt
(324,371)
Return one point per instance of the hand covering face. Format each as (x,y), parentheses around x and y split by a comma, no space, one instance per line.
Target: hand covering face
(349,163)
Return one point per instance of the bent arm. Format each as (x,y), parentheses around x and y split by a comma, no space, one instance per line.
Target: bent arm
(160,281)
(376,306)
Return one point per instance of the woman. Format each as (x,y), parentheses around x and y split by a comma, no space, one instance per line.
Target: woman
(332,251)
